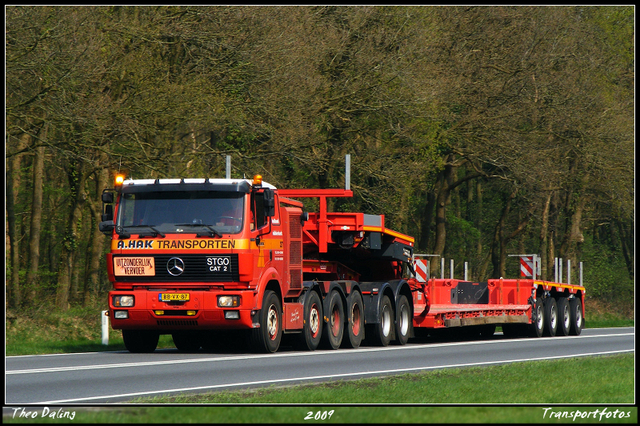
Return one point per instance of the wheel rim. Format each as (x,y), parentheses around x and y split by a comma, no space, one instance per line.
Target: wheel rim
(355,319)
(386,321)
(335,321)
(553,318)
(314,321)
(272,322)
(539,317)
(566,317)
(404,320)
(578,317)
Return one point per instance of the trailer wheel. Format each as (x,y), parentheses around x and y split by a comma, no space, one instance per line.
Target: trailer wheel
(312,330)
(384,329)
(267,337)
(355,322)
(537,319)
(551,316)
(186,341)
(140,341)
(334,331)
(564,316)
(577,322)
(404,320)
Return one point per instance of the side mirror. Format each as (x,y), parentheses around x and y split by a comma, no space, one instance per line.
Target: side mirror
(269,203)
(107,197)
(106,227)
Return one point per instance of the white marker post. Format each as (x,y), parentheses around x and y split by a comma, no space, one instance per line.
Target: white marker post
(105,327)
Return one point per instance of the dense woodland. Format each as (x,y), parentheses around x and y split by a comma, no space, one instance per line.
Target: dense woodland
(481,131)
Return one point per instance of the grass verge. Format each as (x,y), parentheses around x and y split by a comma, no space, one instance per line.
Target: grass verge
(581,385)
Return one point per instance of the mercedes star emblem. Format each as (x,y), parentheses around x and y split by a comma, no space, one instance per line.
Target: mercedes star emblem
(175,266)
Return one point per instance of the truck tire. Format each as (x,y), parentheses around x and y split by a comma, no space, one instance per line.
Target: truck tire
(312,329)
(334,330)
(267,337)
(404,321)
(538,319)
(577,322)
(383,330)
(550,316)
(140,341)
(355,321)
(186,341)
(564,317)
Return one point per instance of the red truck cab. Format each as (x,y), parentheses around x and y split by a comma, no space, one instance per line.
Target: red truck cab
(199,254)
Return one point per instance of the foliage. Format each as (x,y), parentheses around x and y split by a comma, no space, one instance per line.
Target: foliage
(482,131)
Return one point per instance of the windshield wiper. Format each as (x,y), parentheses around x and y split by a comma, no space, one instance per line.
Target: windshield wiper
(152,227)
(213,232)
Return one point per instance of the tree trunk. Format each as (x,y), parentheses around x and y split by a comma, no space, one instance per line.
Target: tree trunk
(478,220)
(96,246)
(441,203)
(425,230)
(446,184)
(36,226)
(69,246)
(544,239)
(498,247)
(626,241)
(13,182)
(573,236)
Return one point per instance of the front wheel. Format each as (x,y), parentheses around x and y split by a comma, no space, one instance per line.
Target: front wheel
(267,337)
(186,341)
(140,341)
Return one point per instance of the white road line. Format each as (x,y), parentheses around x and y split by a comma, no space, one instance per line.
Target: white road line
(283,355)
(311,378)
(280,355)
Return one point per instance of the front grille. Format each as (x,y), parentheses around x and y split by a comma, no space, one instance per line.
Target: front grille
(177,323)
(197,268)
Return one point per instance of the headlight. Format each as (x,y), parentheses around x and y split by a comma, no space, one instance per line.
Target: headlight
(123,301)
(228,301)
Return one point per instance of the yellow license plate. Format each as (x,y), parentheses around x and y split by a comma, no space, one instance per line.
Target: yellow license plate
(169,297)
(134,266)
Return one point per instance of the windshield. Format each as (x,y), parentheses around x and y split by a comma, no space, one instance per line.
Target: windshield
(175,211)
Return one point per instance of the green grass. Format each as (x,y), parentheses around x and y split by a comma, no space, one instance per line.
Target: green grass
(581,385)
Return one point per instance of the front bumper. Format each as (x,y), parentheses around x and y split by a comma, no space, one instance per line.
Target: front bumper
(199,312)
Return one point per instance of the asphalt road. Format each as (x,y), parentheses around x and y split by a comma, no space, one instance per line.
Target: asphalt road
(119,376)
